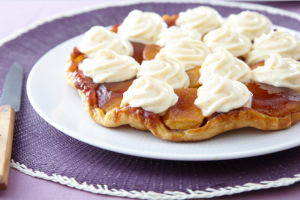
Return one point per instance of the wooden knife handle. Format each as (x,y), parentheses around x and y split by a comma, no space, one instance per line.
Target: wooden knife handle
(7,121)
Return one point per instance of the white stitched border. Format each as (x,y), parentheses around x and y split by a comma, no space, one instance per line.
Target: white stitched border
(103,189)
(209,192)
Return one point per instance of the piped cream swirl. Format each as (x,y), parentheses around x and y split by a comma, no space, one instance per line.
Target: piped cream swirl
(203,19)
(225,64)
(150,94)
(174,33)
(285,44)
(250,24)
(142,27)
(107,66)
(280,72)
(229,39)
(222,95)
(98,38)
(191,53)
(166,69)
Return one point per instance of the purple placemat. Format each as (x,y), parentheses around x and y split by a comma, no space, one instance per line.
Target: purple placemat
(41,147)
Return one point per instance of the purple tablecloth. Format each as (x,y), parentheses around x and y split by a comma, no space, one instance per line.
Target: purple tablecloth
(16,15)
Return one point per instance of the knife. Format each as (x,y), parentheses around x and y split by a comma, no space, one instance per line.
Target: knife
(9,104)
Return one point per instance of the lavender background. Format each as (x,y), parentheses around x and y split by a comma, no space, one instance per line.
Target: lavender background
(41,147)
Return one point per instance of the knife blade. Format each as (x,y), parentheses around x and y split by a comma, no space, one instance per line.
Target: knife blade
(9,104)
(13,87)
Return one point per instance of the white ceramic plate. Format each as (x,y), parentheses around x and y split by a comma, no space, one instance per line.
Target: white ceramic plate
(60,105)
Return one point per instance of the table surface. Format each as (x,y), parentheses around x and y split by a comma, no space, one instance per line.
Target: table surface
(15,15)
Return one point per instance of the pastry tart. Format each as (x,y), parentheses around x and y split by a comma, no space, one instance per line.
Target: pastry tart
(176,86)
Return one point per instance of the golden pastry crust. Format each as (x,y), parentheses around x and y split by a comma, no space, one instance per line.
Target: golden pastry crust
(144,120)
(218,123)
(70,79)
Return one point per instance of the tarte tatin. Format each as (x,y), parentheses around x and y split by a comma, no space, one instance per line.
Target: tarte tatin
(188,77)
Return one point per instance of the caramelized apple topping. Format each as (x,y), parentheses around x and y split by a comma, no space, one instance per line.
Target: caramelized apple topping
(184,114)
(87,86)
(256,65)
(73,65)
(110,95)
(170,20)
(194,76)
(75,57)
(138,50)
(106,96)
(273,101)
(114,28)
(241,58)
(150,51)
(75,53)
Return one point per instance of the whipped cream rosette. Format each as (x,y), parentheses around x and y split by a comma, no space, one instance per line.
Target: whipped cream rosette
(285,44)
(280,72)
(250,24)
(174,33)
(142,27)
(190,52)
(221,94)
(203,19)
(225,64)
(150,94)
(228,38)
(166,69)
(107,66)
(98,38)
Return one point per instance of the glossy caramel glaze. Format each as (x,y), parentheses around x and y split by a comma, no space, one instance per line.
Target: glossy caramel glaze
(110,95)
(106,96)
(114,28)
(170,20)
(75,57)
(273,101)
(72,66)
(184,114)
(241,58)
(258,64)
(87,86)
(194,76)
(150,51)
(138,50)
(75,53)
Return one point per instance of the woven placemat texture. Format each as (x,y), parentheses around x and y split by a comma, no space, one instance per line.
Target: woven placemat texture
(41,147)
